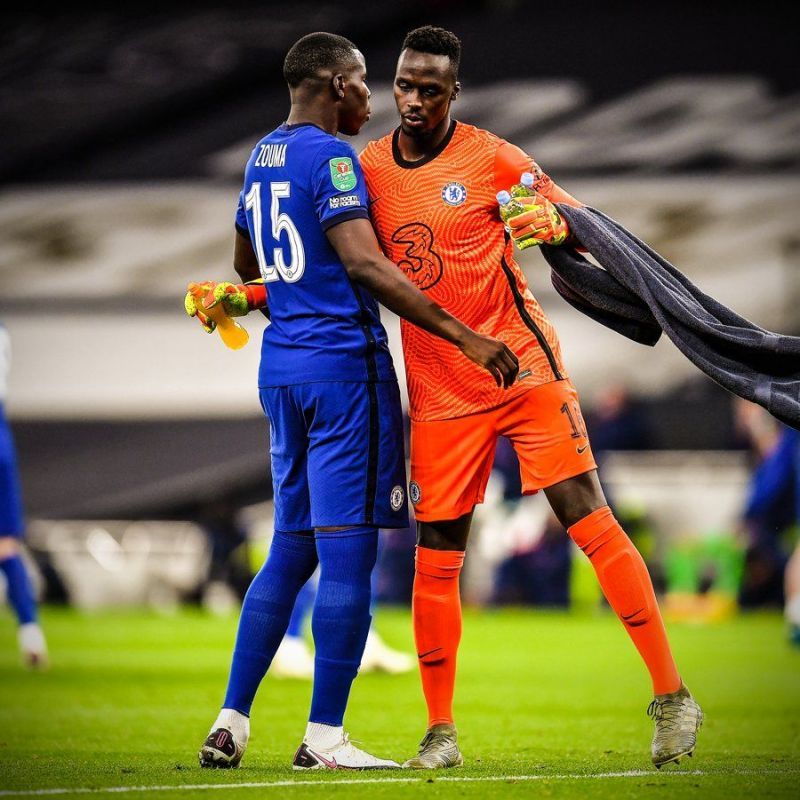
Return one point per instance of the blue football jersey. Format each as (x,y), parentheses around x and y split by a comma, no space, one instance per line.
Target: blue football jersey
(299,182)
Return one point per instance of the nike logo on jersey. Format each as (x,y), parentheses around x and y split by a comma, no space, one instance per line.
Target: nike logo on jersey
(422,655)
(581,449)
(372,200)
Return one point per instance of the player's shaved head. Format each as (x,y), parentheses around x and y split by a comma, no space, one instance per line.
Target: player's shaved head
(317,53)
(437,42)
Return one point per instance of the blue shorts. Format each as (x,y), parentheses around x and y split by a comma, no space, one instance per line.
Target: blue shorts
(337,455)
(11,521)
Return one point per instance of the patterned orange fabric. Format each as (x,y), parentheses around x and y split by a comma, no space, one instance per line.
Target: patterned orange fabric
(451,459)
(438,220)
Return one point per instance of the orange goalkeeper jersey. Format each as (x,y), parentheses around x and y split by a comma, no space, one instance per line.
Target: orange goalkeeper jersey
(437,219)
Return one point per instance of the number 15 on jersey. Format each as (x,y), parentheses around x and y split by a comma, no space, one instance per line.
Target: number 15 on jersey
(292,271)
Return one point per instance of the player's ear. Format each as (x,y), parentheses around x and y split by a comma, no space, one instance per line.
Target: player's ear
(456,90)
(339,82)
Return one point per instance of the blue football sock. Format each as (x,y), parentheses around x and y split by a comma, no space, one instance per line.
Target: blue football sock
(265,614)
(341,618)
(303,604)
(20,591)
(375,577)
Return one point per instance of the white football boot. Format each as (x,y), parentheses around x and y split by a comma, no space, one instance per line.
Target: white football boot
(293,659)
(226,742)
(379,657)
(32,645)
(339,753)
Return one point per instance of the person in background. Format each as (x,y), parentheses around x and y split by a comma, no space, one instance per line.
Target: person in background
(19,590)
(229,573)
(771,515)
(616,422)
(536,571)
(792,593)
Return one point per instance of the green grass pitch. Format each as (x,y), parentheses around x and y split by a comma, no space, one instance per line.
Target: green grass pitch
(548,705)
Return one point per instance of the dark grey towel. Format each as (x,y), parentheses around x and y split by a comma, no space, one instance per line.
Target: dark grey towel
(640,294)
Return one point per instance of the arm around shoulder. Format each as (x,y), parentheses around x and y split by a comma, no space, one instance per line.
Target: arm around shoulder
(355,243)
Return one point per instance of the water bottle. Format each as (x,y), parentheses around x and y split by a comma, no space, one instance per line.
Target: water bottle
(232,334)
(525,186)
(508,206)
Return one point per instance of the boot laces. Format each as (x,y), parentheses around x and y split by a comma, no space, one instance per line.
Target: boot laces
(666,713)
(433,737)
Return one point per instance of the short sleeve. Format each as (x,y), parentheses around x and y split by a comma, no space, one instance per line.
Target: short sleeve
(510,162)
(241,217)
(339,189)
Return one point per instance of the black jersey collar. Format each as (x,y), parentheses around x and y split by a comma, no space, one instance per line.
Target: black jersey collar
(401,162)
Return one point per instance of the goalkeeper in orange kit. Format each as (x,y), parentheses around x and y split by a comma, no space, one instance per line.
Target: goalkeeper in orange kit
(433,184)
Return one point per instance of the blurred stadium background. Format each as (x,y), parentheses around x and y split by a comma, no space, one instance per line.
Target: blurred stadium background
(142,447)
(126,135)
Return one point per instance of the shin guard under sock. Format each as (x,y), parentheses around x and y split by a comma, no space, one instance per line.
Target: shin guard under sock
(436,611)
(341,617)
(265,614)
(626,584)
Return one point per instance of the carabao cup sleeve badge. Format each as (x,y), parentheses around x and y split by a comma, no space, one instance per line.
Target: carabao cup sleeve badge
(343,176)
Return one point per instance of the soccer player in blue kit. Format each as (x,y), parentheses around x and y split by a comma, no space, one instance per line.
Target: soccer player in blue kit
(19,591)
(328,387)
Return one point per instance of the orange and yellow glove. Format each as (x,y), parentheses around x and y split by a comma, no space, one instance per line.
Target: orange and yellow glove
(239,299)
(193,303)
(235,299)
(540,223)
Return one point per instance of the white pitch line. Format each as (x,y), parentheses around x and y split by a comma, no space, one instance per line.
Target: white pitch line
(366,781)
(637,773)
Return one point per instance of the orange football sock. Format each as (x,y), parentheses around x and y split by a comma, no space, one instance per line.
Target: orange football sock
(436,610)
(627,586)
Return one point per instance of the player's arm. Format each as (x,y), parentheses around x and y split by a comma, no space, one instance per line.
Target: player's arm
(251,294)
(244,258)
(245,262)
(237,299)
(510,162)
(355,243)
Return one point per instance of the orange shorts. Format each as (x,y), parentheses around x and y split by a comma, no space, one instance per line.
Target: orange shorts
(451,458)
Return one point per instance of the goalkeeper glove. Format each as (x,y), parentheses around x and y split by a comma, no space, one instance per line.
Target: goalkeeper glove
(193,303)
(539,223)
(238,299)
(235,299)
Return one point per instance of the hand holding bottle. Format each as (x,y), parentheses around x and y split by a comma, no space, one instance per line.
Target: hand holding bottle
(530,218)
